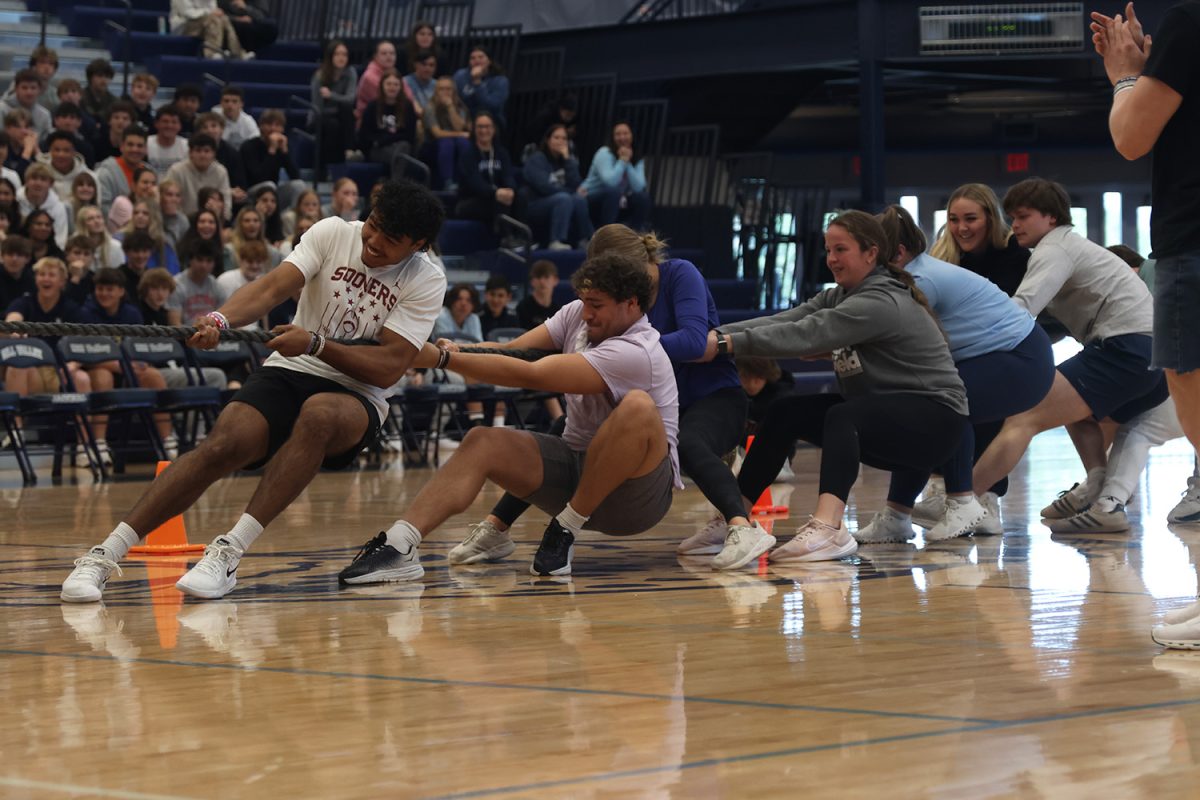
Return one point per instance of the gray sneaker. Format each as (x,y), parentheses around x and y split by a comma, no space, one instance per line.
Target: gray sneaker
(933,504)
(1069,503)
(484,543)
(743,544)
(1093,520)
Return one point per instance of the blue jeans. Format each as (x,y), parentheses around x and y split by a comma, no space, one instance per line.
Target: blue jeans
(559,212)
(448,151)
(1176,298)
(605,207)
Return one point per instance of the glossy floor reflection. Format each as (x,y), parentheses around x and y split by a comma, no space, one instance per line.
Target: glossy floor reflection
(1015,666)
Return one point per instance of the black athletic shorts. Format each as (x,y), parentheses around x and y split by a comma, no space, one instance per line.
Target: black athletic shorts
(278,395)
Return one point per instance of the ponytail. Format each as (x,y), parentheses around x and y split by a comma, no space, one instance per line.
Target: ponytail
(645,248)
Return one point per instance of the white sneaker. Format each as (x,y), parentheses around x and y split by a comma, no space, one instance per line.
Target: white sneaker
(816,541)
(1182,614)
(991,524)
(885,526)
(1188,508)
(171,445)
(708,541)
(1093,520)
(558,246)
(102,450)
(960,517)
(86,582)
(1183,636)
(743,544)
(484,543)
(214,576)
(933,503)
(1069,503)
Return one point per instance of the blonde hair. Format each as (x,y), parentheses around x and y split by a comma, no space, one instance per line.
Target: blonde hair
(49,262)
(946,247)
(645,248)
(155,230)
(99,240)
(452,117)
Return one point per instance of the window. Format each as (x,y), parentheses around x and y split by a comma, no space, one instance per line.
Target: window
(1080,217)
(1114,229)
(1143,230)
(912,205)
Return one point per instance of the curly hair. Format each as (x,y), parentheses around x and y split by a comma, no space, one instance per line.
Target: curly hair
(618,276)
(404,208)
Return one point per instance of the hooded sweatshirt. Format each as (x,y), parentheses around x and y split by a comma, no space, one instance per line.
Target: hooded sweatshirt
(882,341)
(63,180)
(54,207)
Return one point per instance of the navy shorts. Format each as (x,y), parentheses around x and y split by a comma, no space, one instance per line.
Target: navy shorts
(1114,377)
(1176,301)
(279,394)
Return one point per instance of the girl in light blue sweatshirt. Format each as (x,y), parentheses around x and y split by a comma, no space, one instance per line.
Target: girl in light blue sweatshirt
(616,182)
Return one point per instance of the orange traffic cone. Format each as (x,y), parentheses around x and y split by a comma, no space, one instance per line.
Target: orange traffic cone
(764,505)
(170,538)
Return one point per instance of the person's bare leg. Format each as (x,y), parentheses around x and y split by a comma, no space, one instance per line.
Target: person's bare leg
(328,424)
(150,378)
(239,438)
(631,443)
(1088,438)
(830,510)
(102,381)
(1061,406)
(18,379)
(510,459)
(1185,391)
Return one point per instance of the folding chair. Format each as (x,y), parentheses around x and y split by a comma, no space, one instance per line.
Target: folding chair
(122,406)
(61,413)
(196,400)
(10,405)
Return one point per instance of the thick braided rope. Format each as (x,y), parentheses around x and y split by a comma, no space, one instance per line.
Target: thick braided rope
(185,332)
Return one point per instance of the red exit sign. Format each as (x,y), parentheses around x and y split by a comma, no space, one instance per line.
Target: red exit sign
(1016,162)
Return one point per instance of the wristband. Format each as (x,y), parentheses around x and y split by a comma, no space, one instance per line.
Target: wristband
(1123,84)
(443,358)
(320,345)
(722,344)
(219,318)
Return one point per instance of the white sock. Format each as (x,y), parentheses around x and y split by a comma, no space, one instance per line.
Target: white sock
(571,519)
(244,532)
(402,535)
(119,541)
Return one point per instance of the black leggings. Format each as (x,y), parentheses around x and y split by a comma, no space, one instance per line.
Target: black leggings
(906,434)
(708,429)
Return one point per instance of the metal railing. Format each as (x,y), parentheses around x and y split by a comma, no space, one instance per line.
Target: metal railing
(664,10)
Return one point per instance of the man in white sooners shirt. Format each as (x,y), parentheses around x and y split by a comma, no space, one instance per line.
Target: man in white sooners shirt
(315,402)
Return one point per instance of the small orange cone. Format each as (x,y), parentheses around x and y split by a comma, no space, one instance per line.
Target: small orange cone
(764,505)
(170,538)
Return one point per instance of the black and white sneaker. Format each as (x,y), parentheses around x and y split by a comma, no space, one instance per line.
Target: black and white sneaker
(379,562)
(553,555)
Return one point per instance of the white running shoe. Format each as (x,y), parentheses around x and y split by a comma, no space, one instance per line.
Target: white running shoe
(933,503)
(1182,614)
(708,541)
(816,541)
(1188,508)
(960,517)
(885,526)
(86,582)
(484,543)
(1069,503)
(744,544)
(1182,636)
(1093,520)
(171,445)
(214,576)
(991,524)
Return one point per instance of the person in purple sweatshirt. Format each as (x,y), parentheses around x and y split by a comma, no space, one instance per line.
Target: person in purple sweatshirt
(712,404)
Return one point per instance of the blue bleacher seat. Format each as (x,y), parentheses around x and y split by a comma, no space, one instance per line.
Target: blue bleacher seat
(461,237)
(567,261)
(264,95)
(363,173)
(174,69)
(734,293)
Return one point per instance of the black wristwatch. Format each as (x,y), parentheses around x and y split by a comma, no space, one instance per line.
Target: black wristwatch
(722,344)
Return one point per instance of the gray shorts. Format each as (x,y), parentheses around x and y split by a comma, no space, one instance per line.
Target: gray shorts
(635,506)
(1176,298)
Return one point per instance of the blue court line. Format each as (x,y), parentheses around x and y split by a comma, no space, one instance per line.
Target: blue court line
(798,751)
(505,686)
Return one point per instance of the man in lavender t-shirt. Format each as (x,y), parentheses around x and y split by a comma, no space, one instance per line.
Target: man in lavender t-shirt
(615,466)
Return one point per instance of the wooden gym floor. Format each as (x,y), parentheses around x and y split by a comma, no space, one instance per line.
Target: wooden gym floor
(1015,666)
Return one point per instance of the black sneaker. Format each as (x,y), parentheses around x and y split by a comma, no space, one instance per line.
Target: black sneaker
(379,562)
(553,555)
